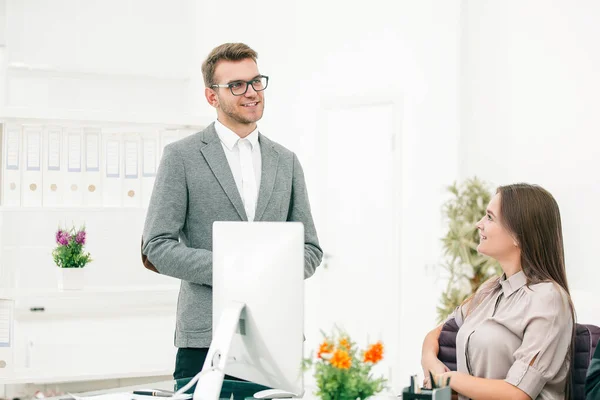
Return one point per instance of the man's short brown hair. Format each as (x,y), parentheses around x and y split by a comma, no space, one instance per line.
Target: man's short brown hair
(227,52)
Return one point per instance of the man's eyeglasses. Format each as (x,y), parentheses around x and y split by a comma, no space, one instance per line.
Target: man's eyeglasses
(239,88)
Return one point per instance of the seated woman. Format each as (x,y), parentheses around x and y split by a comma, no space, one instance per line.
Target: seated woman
(516,333)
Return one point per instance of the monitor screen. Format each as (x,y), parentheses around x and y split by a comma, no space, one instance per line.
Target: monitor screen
(261,264)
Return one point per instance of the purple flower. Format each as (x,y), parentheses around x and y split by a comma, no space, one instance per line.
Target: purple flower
(59,234)
(80,238)
(62,238)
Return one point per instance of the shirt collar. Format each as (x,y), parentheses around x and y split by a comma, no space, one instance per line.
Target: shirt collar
(230,138)
(512,284)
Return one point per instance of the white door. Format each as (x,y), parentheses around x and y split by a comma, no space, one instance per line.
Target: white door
(356,288)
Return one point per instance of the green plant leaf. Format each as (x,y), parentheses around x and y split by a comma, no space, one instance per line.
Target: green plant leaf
(465,207)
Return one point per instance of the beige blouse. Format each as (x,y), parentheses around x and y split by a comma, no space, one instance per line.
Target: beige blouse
(517,333)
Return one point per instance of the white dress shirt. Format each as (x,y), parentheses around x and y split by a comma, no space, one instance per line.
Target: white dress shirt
(231,145)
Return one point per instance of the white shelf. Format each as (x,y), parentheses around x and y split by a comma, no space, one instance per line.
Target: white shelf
(54,71)
(103,116)
(91,291)
(111,209)
(26,376)
(49,304)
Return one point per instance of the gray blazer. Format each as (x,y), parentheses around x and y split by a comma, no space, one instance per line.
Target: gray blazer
(194,187)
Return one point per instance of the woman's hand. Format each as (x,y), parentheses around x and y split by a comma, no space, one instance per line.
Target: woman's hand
(435,366)
(441,379)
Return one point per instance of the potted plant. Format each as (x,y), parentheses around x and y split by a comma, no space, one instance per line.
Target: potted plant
(70,257)
(467,269)
(343,371)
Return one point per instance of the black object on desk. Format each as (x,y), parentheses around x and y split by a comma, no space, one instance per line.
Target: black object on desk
(426,394)
(414,392)
(157,393)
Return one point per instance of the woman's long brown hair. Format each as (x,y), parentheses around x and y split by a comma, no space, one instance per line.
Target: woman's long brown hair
(532,215)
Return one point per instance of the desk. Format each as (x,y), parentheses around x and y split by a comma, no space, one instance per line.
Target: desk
(240,390)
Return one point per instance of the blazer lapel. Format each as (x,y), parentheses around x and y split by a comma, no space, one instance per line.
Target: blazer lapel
(217,161)
(270,160)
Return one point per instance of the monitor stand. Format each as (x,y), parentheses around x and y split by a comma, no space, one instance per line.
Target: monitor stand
(213,372)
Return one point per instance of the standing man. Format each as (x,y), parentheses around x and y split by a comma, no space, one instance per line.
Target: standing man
(227,172)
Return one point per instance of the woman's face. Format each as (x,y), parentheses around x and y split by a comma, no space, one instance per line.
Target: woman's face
(494,239)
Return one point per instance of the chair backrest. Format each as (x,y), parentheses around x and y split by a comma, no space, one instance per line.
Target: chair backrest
(447,343)
(586,339)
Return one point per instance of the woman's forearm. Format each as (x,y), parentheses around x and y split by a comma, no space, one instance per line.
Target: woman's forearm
(431,346)
(484,389)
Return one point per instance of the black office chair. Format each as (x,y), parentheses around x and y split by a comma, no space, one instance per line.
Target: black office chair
(586,339)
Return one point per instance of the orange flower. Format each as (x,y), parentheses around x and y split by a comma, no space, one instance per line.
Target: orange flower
(341,359)
(324,349)
(375,353)
(345,343)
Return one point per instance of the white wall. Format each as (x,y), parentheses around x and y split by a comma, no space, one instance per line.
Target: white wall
(529,112)
(111,60)
(2,53)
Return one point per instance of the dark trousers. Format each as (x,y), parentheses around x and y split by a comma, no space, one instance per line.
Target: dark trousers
(189,361)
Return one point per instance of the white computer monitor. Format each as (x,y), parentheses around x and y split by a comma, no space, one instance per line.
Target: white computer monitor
(258,304)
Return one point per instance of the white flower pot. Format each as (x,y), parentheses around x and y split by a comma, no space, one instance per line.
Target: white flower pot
(71,278)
